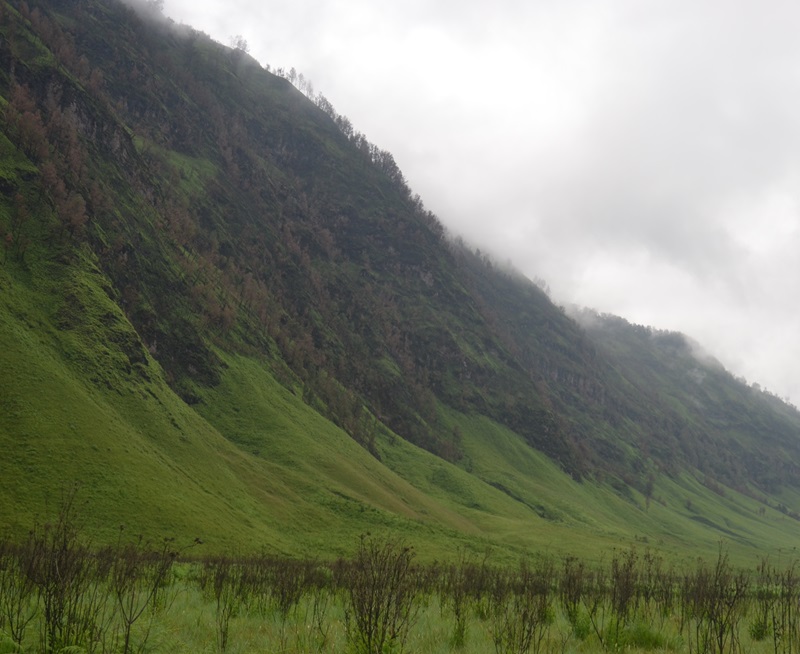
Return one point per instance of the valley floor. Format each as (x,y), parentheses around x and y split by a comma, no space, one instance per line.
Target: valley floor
(58,594)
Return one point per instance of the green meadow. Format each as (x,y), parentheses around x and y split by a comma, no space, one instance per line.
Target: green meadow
(60,594)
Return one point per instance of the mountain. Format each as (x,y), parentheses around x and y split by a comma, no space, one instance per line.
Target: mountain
(225,314)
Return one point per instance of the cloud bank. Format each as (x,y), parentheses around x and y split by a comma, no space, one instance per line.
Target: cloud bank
(641,157)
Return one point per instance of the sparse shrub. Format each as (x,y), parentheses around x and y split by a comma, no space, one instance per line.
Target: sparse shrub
(714,602)
(595,603)
(623,587)
(18,605)
(256,571)
(288,582)
(572,587)
(381,595)
(784,619)
(462,585)
(137,577)
(764,597)
(222,579)
(665,593)
(521,608)
(69,583)
(318,589)
(647,587)
(272,586)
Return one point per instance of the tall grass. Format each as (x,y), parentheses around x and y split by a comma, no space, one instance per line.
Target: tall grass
(58,593)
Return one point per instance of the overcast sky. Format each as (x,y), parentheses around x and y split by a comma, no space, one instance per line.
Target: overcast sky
(640,156)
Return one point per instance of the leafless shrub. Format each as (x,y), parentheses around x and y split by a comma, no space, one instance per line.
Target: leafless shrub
(595,603)
(521,607)
(318,592)
(381,595)
(138,576)
(784,615)
(462,584)
(18,605)
(623,588)
(69,582)
(222,580)
(714,601)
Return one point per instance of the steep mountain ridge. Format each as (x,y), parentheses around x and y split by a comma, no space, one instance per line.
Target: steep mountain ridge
(228,280)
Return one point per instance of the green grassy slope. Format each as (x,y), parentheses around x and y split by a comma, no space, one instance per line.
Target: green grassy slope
(275,474)
(252,465)
(130,443)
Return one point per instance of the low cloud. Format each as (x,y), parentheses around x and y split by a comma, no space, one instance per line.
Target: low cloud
(641,157)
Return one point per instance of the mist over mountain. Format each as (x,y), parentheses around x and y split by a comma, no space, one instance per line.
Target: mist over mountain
(224,310)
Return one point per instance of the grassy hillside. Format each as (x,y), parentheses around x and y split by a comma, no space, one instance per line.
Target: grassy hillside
(252,465)
(225,315)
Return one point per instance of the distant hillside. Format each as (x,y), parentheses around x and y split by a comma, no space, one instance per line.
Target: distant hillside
(226,314)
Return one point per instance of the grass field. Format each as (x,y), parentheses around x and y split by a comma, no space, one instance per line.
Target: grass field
(58,594)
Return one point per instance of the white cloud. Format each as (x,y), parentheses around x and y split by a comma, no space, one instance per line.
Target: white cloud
(643,157)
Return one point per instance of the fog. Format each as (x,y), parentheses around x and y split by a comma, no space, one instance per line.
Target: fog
(640,157)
